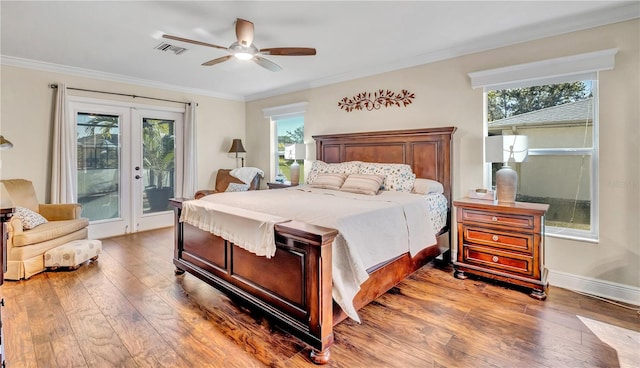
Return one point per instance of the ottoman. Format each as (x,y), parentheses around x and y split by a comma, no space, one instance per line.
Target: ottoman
(72,254)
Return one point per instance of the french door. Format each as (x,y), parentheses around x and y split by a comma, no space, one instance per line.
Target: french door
(127,164)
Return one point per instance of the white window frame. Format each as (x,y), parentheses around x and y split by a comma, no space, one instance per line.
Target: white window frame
(278,113)
(560,70)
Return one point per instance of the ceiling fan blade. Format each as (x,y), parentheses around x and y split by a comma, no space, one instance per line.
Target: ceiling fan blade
(289,51)
(267,64)
(244,32)
(217,61)
(193,41)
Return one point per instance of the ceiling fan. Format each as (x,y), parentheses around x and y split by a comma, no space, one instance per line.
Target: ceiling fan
(244,49)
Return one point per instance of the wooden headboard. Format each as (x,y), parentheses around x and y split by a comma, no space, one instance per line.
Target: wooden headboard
(427,151)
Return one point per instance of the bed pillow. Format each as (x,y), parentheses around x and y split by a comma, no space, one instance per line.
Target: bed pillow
(321,167)
(363,184)
(237,187)
(397,177)
(329,181)
(30,219)
(427,186)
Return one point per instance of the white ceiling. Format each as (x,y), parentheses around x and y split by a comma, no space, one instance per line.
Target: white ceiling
(115,40)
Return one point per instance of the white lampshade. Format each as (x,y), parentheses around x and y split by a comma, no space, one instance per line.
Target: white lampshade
(505,148)
(296,151)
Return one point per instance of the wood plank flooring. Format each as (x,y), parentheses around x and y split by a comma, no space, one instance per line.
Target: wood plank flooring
(128,309)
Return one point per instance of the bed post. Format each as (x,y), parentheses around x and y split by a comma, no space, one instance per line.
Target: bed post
(319,282)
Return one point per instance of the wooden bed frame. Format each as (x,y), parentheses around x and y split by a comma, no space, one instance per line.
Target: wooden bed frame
(294,287)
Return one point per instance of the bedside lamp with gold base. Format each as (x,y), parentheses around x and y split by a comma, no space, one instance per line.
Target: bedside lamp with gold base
(295,152)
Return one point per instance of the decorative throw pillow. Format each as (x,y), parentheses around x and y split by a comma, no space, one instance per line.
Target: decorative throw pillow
(426,186)
(363,184)
(237,187)
(30,219)
(329,181)
(321,167)
(397,177)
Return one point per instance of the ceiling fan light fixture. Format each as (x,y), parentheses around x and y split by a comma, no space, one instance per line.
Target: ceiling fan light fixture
(243,55)
(243,52)
(244,49)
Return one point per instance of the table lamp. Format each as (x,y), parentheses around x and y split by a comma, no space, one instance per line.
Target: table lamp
(237,147)
(295,152)
(506,149)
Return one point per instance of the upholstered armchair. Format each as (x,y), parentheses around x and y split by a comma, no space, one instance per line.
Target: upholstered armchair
(224,179)
(30,236)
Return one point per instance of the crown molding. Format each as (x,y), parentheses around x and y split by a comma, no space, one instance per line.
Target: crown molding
(94,74)
(624,12)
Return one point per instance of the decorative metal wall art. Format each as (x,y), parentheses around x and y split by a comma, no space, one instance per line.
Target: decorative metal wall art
(365,100)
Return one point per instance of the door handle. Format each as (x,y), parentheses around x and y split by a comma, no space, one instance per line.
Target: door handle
(138,176)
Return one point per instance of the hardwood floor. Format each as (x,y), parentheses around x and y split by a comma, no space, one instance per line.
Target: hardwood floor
(128,309)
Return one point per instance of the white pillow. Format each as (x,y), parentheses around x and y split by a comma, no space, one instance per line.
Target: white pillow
(363,184)
(237,187)
(30,219)
(427,186)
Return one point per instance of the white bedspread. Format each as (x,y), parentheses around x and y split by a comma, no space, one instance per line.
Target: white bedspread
(372,229)
(249,230)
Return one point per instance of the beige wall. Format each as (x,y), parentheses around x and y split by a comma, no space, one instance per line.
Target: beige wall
(444,97)
(27,120)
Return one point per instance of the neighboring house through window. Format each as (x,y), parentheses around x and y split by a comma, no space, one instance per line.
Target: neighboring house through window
(558,121)
(554,103)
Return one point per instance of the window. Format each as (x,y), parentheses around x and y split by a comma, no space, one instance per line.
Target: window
(288,131)
(287,128)
(559,122)
(555,104)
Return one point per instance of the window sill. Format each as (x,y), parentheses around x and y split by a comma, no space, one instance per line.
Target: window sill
(562,233)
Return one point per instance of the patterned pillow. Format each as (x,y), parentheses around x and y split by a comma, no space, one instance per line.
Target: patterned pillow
(329,181)
(397,177)
(321,167)
(237,187)
(30,219)
(363,184)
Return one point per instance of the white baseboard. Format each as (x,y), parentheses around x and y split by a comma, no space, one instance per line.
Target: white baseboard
(605,289)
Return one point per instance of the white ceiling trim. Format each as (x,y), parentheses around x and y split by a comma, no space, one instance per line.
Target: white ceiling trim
(94,74)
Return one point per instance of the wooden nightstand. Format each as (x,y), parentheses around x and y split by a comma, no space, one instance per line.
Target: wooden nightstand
(503,242)
(276,185)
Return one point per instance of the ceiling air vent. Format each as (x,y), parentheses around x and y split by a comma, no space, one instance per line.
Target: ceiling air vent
(170,48)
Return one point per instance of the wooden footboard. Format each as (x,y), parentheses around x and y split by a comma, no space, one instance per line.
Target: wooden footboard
(293,287)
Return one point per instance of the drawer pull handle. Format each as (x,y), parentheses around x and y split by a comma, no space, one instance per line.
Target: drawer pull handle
(495,258)
(494,238)
(494,218)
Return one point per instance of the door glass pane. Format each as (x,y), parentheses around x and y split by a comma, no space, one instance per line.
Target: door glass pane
(98,165)
(158,157)
(563,182)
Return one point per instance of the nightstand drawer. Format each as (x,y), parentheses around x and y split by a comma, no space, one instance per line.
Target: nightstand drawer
(496,218)
(511,241)
(490,258)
